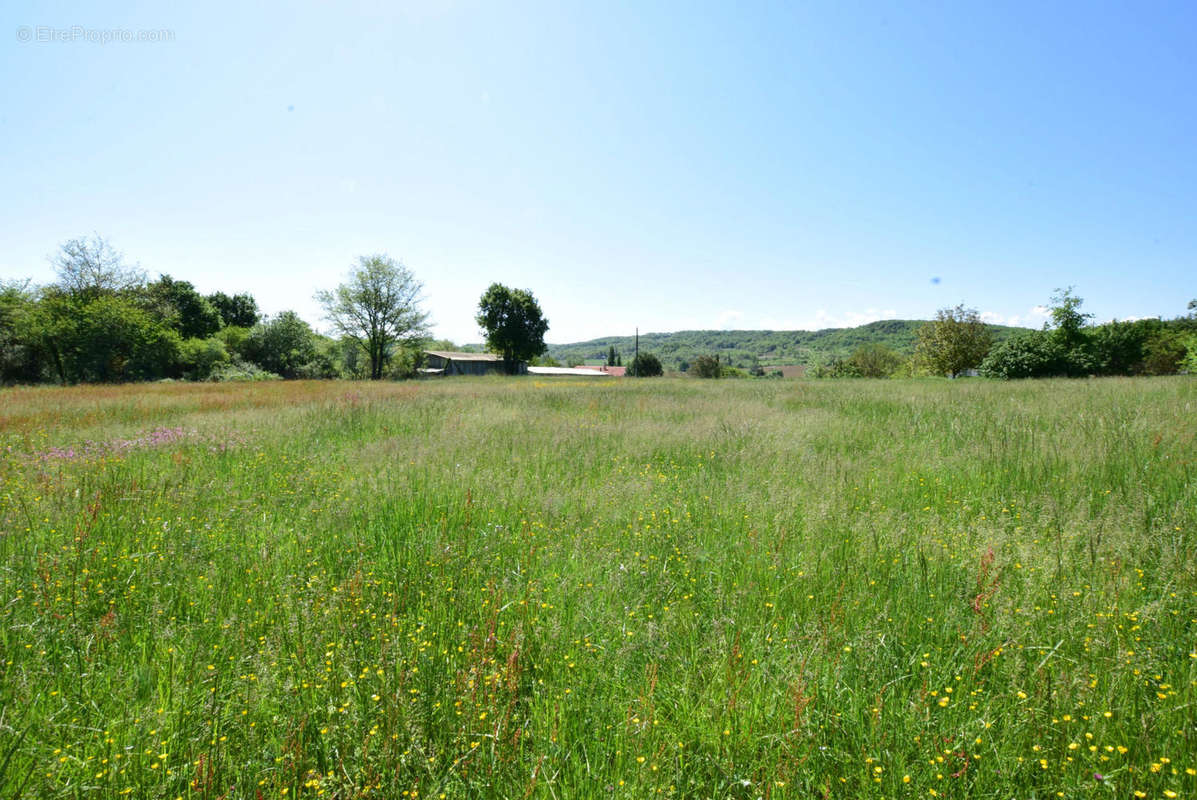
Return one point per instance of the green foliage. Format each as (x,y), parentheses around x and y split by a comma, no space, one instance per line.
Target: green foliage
(1164,351)
(1035,354)
(234,338)
(1188,364)
(240,310)
(1119,348)
(237,371)
(379,308)
(646,365)
(178,305)
(512,322)
(874,361)
(405,363)
(112,339)
(954,342)
(200,357)
(20,358)
(705,367)
(1068,348)
(283,345)
(1067,319)
(749,349)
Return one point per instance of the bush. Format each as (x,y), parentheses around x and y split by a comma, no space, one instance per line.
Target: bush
(1031,355)
(199,357)
(705,367)
(1164,353)
(874,361)
(1117,348)
(241,371)
(234,339)
(284,345)
(1188,364)
(646,365)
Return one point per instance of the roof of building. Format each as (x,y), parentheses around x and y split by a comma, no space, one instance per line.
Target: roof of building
(589,373)
(617,372)
(453,356)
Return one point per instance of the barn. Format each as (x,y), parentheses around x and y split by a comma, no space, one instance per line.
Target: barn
(444,362)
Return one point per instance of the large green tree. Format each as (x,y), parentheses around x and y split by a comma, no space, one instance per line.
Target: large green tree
(282,345)
(379,308)
(513,324)
(178,305)
(955,341)
(239,310)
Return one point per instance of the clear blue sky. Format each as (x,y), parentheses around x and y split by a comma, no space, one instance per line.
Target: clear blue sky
(661,165)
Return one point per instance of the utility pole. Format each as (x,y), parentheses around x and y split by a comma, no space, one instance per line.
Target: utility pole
(636,360)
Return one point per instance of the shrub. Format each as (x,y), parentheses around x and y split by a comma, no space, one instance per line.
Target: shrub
(241,371)
(1188,364)
(646,365)
(1031,355)
(282,346)
(874,361)
(1164,353)
(705,367)
(199,357)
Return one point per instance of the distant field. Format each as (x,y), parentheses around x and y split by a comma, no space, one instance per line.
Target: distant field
(660,588)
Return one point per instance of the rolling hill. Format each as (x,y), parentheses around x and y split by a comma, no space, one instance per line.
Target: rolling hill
(748,349)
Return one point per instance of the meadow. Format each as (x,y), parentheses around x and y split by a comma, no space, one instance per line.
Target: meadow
(517,588)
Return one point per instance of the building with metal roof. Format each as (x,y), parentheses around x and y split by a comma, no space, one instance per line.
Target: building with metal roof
(447,362)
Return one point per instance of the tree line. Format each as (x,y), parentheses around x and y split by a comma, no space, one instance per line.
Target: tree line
(104,321)
(957,342)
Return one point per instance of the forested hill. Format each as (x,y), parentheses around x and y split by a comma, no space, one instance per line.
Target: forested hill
(747,349)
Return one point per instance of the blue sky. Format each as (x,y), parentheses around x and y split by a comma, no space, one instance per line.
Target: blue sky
(661,165)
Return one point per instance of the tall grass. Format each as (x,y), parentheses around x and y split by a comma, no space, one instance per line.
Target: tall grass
(518,588)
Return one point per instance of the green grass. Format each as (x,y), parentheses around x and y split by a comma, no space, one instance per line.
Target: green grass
(522,588)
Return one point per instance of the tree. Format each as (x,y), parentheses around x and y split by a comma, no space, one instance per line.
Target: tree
(874,361)
(379,308)
(88,268)
(240,310)
(646,365)
(1067,320)
(955,341)
(705,367)
(611,356)
(513,324)
(19,354)
(1034,354)
(282,345)
(112,339)
(180,306)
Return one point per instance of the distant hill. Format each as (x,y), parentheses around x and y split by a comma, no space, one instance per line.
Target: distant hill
(748,349)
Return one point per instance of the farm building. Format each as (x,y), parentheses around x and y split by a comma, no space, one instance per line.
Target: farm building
(443,362)
(606,369)
(580,371)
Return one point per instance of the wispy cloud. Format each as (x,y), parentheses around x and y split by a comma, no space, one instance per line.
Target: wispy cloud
(1032,318)
(825,319)
(729,319)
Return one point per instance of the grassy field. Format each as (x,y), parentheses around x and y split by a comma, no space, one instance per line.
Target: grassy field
(518,588)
